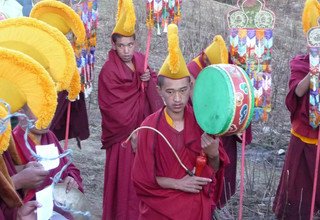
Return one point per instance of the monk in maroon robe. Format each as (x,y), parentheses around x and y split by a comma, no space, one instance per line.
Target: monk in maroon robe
(126,96)
(79,126)
(293,198)
(229,142)
(165,189)
(178,170)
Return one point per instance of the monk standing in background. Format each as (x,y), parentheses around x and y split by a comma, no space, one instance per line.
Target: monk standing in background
(294,194)
(217,53)
(165,189)
(126,95)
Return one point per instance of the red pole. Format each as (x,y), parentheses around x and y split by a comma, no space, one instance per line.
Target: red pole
(145,66)
(67,127)
(242,175)
(315,180)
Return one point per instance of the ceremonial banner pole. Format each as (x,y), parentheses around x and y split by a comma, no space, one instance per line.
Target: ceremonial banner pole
(242,174)
(315,180)
(251,41)
(314,114)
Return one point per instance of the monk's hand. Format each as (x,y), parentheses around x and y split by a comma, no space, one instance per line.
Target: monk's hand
(27,211)
(134,141)
(146,76)
(31,177)
(70,183)
(210,145)
(192,184)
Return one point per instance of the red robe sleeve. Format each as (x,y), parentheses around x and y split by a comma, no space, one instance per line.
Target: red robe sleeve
(299,106)
(299,67)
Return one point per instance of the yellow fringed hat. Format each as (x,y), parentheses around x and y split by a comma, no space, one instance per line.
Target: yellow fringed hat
(60,16)
(174,66)
(217,51)
(5,136)
(126,18)
(310,15)
(24,81)
(75,86)
(45,44)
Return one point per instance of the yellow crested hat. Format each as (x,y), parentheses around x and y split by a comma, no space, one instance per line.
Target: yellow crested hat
(60,16)
(43,43)
(217,51)
(5,136)
(24,81)
(310,15)
(174,66)
(126,19)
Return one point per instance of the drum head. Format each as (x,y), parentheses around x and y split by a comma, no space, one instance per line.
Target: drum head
(213,100)
(74,199)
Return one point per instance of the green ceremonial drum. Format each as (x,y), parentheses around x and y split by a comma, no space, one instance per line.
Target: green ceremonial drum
(223,99)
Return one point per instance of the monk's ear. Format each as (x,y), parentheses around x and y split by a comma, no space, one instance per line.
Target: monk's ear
(113,45)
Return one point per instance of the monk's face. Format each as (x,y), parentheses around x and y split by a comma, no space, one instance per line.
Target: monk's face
(175,93)
(22,120)
(125,48)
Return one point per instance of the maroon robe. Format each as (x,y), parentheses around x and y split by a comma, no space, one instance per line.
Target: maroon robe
(154,158)
(229,144)
(123,106)
(293,198)
(25,155)
(79,126)
(6,212)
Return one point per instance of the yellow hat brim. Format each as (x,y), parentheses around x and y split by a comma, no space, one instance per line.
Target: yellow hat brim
(5,136)
(61,16)
(217,51)
(45,44)
(28,83)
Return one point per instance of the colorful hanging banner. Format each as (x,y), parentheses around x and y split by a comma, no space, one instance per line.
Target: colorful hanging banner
(161,13)
(313,38)
(85,54)
(251,41)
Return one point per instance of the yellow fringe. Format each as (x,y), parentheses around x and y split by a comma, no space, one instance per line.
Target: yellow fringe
(4,137)
(67,13)
(173,48)
(223,49)
(75,86)
(310,15)
(119,10)
(45,85)
(130,22)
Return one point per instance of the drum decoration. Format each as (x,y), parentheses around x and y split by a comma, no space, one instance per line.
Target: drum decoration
(223,99)
(161,13)
(251,41)
(85,55)
(313,37)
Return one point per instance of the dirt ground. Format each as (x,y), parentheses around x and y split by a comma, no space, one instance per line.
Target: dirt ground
(263,164)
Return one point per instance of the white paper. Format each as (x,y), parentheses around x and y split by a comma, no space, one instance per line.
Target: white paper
(45,198)
(48,151)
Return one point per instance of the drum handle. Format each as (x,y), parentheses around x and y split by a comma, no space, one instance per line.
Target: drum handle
(190,173)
